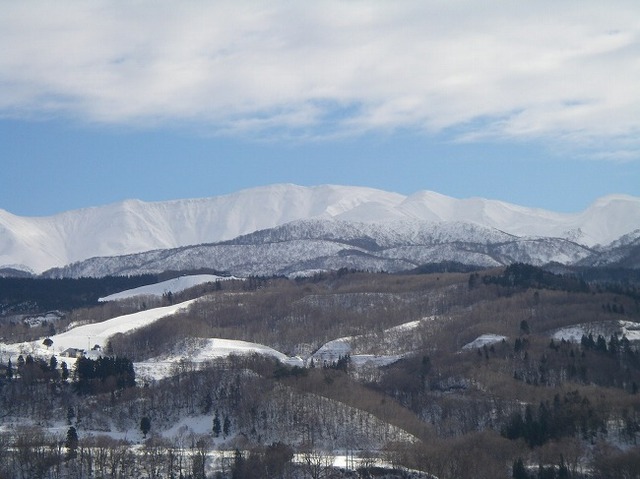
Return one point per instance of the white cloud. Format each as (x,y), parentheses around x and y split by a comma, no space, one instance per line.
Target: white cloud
(567,71)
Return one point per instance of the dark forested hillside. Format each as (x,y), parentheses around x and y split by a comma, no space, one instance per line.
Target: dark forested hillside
(32,295)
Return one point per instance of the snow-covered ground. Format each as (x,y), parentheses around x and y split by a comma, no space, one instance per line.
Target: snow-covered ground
(331,351)
(631,330)
(175,285)
(38,320)
(200,351)
(484,340)
(575,332)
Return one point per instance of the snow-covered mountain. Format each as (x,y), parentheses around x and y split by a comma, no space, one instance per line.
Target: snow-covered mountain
(622,253)
(308,246)
(392,222)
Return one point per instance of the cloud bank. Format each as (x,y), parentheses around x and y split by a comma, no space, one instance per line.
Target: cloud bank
(567,72)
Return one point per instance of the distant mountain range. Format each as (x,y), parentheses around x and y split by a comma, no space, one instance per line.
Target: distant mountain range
(288,229)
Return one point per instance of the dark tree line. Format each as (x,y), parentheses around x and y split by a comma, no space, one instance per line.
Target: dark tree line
(105,374)
(27,295)
(522,275)
(560,471)
(566,416)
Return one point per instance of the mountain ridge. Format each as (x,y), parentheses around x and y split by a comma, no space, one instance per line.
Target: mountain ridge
(134,226)
(305,247)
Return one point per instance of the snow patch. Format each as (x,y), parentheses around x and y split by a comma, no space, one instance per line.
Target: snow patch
(621,328)
(631,330)
(572,334)
(484,340)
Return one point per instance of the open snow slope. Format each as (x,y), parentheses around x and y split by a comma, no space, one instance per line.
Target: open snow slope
(175,285)
(203,350)
(134,226)
(484,340)
(88,335)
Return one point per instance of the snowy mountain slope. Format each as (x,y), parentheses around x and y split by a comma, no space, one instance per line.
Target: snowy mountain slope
(133,226)
(604,221)
(622,253)
(374,236)
(315,245)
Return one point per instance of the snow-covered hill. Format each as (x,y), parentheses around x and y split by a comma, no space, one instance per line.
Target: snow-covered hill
(134,226)
(86,336)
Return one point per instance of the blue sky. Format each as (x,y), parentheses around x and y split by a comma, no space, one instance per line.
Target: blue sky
(527,102)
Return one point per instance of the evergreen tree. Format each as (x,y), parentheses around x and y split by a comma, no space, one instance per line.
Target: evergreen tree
(65,371)
(238,465)
(226,427)
(207,403)
(71,443)
(519,471)
(145,425)
(563,470)
(71,413)
(53,363)
(216,424)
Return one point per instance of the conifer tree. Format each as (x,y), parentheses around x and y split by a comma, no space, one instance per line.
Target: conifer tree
(226,427)
(145,425)
(216,424)
(71,443)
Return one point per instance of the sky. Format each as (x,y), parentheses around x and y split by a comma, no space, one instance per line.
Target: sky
(534,102)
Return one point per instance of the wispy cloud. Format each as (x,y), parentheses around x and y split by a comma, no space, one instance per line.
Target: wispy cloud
(564,71)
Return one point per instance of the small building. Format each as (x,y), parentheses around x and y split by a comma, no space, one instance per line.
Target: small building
(73,353)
